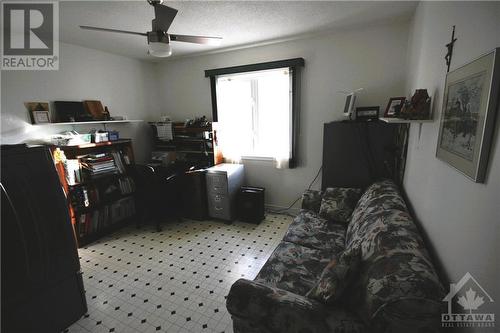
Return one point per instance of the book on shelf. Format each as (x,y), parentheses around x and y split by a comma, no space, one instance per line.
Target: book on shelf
(106,216)
(118,160)
(126,185)
(72,171)
(79,197)
(93,194)
(99,164)
(89,166)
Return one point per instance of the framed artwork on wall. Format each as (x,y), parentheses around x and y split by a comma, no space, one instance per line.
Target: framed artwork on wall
(467,124)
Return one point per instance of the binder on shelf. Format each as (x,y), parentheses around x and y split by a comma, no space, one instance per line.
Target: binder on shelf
(72,169)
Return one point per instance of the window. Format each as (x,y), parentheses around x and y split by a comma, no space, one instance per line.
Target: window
(254,110)
(255,114)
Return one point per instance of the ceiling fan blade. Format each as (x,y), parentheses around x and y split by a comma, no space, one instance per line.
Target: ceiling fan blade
(164,16)
(86,27)
(196,39)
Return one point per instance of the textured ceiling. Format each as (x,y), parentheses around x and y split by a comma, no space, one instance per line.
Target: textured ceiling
(239,23)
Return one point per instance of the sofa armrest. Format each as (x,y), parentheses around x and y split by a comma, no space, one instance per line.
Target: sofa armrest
(278,310)
(311,200)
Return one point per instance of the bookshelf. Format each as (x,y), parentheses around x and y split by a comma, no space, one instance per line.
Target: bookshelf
(193,145)
(99,186)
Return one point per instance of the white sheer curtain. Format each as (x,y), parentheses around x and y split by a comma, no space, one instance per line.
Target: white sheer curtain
(254,115)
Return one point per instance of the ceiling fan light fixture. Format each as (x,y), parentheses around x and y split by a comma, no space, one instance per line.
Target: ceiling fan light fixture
(160,49)
(159,39)
(159,44)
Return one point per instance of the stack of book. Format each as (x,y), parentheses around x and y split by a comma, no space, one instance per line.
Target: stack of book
(99,164)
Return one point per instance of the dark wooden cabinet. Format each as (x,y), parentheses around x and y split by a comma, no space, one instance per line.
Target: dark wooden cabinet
(42,288)
(355,154)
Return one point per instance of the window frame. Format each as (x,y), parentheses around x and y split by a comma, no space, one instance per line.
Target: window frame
(293,66)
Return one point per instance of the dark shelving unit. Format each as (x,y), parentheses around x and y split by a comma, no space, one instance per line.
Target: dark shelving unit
(105,224)
(193,145)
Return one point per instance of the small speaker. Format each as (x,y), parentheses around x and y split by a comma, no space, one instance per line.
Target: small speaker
(251,204)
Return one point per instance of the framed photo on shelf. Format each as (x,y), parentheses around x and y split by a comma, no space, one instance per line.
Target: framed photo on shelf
(38,111)
(394,106)
(41,117)
(467,123)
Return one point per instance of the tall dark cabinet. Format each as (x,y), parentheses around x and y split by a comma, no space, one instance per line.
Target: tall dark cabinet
(355,154)
(42,288)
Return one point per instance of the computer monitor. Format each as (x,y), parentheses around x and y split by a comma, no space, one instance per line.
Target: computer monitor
(349,104)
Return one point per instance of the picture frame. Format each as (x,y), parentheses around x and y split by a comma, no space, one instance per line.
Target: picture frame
(470,103)
(34,108)
(41,117)
(394,106)
(367,113)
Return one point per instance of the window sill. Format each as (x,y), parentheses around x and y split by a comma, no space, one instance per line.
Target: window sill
(257,158)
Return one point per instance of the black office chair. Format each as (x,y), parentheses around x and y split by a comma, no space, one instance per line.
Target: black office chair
(157,195)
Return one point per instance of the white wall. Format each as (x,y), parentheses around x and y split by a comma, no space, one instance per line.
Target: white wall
(125,85)
(461,218)
(373,58)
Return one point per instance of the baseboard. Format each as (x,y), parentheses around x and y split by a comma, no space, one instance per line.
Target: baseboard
(282,209)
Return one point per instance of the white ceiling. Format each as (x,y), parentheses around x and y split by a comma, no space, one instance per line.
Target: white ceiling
(239,23)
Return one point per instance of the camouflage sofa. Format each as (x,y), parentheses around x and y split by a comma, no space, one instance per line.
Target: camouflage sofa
(396,288)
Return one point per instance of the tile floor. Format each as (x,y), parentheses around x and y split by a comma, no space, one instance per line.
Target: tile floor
(176,280)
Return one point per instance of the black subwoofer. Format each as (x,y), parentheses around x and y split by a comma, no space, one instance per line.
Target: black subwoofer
(251,204)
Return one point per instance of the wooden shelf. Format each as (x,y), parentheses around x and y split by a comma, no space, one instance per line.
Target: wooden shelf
(182,129)
(193,145)
(190,140)
(405,121)
(99,144)
(99,179)
(101,204)
(193,152)
(91,122)
(92,237)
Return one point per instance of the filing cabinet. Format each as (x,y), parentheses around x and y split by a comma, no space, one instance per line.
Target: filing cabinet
(223,184)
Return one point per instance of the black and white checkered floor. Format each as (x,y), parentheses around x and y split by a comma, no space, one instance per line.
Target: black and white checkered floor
(176,280)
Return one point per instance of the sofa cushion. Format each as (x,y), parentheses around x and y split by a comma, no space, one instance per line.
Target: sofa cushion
(338,203)
(336,276)
(395,266)
(258,308)
(308,229)
(381,196)
(311,200)
(293,267)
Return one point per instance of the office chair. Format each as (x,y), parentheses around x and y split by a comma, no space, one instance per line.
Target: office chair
(157,197)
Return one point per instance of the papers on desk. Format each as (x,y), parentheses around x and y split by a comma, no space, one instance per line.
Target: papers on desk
(164,131)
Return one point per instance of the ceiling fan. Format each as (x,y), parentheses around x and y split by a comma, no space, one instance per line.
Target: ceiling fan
(158,38)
